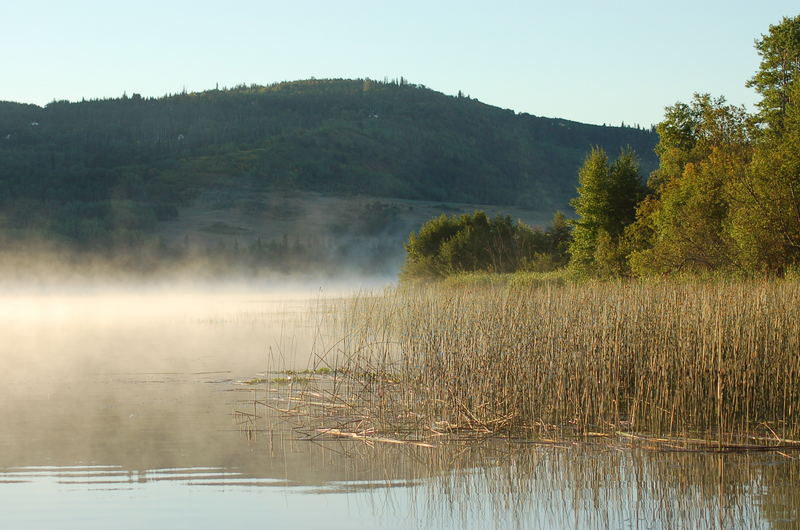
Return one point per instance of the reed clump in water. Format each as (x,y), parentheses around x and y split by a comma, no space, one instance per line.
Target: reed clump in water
(714,360)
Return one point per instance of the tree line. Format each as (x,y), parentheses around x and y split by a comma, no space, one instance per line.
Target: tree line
(724,199)
(726,194)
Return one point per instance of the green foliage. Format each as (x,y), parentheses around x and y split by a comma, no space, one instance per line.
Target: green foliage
(780,62)
(551,247)
(449,245)
(684,226)
(606,204)
(765,221)
(727,192)
(388,139)
(610,259)
(725,198)
(559,235)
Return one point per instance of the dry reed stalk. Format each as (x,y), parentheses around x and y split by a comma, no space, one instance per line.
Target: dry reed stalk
(371,438)
(714,360)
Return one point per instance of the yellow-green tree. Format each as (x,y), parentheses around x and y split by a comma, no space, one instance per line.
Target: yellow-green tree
(766,219)
(704,148)
(726,195)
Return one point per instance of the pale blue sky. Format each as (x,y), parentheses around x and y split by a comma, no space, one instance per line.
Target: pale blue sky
(596,62)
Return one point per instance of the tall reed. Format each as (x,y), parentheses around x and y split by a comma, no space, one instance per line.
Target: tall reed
(665,358)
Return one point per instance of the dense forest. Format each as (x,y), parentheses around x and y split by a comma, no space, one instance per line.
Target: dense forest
(102,174)
(724,199)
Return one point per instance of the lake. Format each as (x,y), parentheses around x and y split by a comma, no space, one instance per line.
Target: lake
(128,407)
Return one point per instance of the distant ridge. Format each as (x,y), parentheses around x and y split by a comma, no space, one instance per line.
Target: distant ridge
(69,161)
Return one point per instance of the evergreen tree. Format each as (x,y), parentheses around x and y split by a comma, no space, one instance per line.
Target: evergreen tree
(606,204)
(780,63)
(625,192)
(591,205)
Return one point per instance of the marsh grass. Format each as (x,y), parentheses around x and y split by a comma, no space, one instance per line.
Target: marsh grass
(519,279)
(670,363)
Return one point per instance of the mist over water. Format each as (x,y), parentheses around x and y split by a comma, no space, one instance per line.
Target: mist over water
(95,357)
(78,330)
(117,406)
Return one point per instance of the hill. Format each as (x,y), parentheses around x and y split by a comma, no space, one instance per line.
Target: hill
(111,173)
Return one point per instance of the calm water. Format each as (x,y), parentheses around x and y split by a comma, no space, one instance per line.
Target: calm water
(116,411)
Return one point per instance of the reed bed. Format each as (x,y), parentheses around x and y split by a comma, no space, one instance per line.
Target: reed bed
(677,363)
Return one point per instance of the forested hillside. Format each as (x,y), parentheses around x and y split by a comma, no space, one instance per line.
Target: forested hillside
(105,173)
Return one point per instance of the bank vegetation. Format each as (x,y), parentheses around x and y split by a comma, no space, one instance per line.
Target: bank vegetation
(693,360)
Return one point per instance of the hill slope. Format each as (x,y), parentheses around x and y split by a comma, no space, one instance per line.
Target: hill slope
(103,172)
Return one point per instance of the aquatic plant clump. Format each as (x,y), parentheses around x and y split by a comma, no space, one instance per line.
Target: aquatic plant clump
(709,360)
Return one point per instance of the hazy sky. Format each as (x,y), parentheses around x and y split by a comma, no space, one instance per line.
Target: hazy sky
(590,61)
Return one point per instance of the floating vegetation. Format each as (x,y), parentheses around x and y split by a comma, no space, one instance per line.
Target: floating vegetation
(290,376)
(291,380)
(255,381)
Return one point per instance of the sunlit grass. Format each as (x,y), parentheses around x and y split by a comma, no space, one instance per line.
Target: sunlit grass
(714,360)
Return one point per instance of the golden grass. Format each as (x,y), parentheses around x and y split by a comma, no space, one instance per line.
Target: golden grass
(713,360)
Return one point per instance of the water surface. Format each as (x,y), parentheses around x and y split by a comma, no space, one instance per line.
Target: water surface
(118,411)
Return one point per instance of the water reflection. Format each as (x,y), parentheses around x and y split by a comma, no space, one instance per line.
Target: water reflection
(493,485)
(111,421)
